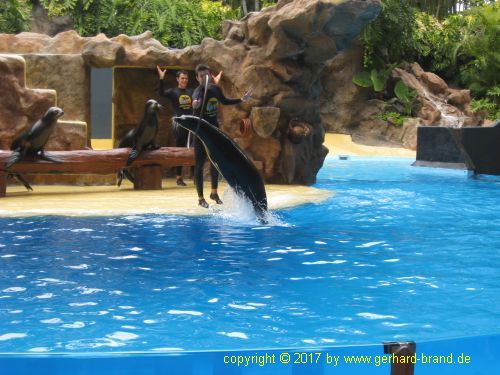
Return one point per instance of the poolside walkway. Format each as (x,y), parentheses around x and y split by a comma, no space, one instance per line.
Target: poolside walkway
(111,200)
(341,144)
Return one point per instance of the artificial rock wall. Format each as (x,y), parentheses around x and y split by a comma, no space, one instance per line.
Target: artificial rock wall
(279,53)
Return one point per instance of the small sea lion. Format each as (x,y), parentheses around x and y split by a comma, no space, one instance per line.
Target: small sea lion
(32,141)
(141,137)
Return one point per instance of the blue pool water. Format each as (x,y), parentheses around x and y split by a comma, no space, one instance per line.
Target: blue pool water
(397,253)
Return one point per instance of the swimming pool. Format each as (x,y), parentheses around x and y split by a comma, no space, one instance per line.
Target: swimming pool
(398,253)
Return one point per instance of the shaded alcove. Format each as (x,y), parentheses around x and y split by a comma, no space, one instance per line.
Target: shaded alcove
(101,111)
(132,87)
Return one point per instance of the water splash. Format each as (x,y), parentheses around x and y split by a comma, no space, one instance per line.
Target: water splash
(237,209)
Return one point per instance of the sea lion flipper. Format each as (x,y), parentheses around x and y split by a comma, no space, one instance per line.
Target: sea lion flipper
(44,156)
(129,175)
(21,178)
(132,156)
(119,178)
(13,159)
(124,173)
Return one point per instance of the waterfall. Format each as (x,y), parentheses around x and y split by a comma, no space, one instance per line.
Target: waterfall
(450,116)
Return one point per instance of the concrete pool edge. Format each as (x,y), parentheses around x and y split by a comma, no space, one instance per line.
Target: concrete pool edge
(483,353)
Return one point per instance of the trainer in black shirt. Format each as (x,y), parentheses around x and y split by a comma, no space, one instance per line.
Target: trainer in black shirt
(181,99)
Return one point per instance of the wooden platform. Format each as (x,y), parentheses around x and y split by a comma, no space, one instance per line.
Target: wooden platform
(147,168)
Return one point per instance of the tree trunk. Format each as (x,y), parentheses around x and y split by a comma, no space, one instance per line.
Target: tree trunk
(257,5)
(244,6)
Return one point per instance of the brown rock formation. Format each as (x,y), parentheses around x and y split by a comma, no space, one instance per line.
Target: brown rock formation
(350,109)
(264,120)
(71,81)
(434,104)
(20,107)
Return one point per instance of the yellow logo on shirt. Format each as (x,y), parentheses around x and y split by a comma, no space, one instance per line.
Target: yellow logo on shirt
(212,106)
(185,102)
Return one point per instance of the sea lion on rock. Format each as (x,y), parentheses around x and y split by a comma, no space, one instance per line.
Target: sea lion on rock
(32,141)
(141,137)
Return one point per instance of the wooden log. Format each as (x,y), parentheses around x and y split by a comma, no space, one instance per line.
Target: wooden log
(147,177)
(3,183)
(100,161)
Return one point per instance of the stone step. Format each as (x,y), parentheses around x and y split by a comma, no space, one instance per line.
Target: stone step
(13,67)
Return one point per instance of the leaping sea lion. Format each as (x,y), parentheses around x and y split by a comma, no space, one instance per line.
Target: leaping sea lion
(32,141)
(141,137)
(231,161)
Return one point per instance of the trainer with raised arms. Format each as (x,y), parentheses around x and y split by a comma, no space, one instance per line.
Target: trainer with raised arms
(182,102)
(210,104)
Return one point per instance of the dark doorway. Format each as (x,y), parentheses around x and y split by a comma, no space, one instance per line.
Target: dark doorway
(101,103)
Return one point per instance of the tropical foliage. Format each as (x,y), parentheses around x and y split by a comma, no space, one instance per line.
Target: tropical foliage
(490,105)
(249,5)
(460,47)
(391,117)
(176,23)
(389,38)
(14,15)
(479,50)
(443,8)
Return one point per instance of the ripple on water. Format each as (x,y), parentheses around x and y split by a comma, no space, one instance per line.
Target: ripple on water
(14,289)
(78,267)
(238,335)
(81,304)
(10,336)
(51,321)
(75,325)
(84,290)
(45,296)
(93,344)
(39,350)
(241,307)
(185,312)
(372,316)
(319,262)
(122,336)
